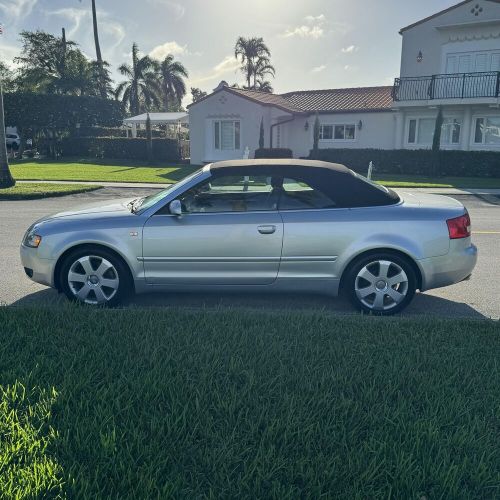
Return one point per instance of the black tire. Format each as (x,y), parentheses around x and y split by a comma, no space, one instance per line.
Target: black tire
(118,275)
(354,284)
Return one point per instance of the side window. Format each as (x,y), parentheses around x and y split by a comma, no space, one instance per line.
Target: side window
(231,193)
(299,195)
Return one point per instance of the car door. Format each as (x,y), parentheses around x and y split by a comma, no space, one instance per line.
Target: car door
(229,233)
(316,232)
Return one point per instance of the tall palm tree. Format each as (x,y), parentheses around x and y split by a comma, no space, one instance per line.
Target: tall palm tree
(249,51)
(142,88)
(6,179)
(103,87)
(172,74)
(264,86)
(262,68)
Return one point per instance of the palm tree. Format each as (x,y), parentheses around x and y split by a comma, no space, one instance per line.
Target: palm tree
(263,68)
(249,51)
(6,179)
(103,85)
(172,75)
(264,86)
(142,88)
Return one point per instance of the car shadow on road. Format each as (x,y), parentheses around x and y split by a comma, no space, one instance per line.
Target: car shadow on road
(422,305)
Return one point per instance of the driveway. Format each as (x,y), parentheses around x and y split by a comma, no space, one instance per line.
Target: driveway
(478,297)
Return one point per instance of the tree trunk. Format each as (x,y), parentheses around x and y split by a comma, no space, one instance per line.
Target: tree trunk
(102,85)
(6,179)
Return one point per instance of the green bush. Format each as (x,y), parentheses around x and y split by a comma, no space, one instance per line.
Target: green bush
(273,153)
(119,148)
(114,132)
(417,162)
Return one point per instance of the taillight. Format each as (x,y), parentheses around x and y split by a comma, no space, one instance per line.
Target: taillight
(459,227)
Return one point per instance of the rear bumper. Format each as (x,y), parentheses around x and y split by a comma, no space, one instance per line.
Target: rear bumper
(37,269)
(455,266)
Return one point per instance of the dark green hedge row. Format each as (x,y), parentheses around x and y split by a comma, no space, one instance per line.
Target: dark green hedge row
(418,162)
(30,112)
(132,149)
(114,132)
(273,153)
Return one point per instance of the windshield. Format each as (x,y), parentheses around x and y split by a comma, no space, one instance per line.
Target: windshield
(149,201)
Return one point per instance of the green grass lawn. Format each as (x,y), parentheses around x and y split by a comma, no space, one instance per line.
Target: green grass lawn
(243,404)
(108,171)
(33,190)
(438,182)
(128,171)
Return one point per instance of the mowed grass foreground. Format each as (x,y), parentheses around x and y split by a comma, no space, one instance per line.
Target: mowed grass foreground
(36,190)
(136,171)
(244,404)
(95,170)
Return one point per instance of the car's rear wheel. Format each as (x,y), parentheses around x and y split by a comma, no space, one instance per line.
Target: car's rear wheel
(382,284)
(95,277)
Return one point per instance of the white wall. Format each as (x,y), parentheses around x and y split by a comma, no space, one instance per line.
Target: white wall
(377,131)
(225,105)
(459,30)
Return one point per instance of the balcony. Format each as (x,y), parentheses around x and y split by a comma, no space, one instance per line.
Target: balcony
(453,86)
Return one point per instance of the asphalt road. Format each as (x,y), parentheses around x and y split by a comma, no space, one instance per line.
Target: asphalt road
(479,297)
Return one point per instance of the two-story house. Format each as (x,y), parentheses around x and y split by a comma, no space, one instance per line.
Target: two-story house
(449,60)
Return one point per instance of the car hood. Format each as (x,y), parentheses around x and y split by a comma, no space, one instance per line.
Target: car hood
(107,208)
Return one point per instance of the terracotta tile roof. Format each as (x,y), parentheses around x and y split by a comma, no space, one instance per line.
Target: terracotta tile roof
(334,100)
(323,101)
(266,98)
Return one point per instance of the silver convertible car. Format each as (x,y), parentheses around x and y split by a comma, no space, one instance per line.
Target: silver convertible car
(257,225)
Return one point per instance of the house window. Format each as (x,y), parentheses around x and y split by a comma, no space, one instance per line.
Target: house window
(227,134)
(326,132)
(450,131)
(487,130)
(421,131)
(341,132)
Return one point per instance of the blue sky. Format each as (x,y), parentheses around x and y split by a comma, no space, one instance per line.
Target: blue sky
(314,44)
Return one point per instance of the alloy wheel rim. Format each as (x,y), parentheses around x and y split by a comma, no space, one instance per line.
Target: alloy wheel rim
(93,280)
(381,285)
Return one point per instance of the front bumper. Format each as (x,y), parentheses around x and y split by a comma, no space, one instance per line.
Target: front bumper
(37,269)
(455,266)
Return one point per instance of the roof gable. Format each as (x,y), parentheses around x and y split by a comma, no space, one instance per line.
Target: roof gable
(440,13)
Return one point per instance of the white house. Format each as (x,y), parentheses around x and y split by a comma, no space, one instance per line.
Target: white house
(449,60)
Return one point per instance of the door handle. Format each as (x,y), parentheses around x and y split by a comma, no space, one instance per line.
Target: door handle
(266,229)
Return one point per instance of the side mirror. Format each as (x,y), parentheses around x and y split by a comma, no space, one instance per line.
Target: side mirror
(175,208)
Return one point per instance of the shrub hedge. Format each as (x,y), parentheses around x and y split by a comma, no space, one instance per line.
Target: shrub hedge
(418,162)
(114,132)
(119,148)
(273,153)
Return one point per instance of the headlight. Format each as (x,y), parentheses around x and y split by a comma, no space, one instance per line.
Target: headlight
(32,239)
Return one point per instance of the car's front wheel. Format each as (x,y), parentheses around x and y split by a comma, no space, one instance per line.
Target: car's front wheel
(95,277)
(382,284)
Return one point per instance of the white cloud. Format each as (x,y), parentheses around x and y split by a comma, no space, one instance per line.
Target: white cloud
(314,28)
(318,69)
(228,65)
(8,53)
(161,51)
(304,31)
(319,19)
(348,67)
(349,50)
(17,9)
(76,16)
(174,7)
(81,19)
